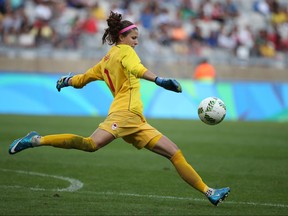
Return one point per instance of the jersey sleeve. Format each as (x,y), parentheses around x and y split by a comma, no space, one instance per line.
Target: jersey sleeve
(132,62)
(92,74)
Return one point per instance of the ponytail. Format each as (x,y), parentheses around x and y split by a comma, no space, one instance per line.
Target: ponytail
(115,25)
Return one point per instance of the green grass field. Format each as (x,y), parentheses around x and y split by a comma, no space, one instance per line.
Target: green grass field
(250,157)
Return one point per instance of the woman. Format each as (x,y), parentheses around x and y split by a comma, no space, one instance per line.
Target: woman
(121,69)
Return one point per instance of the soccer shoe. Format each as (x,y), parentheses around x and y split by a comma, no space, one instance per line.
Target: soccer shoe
(22,143)
(218,195)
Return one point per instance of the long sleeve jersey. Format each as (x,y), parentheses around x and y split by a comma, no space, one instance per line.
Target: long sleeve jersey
(121,69)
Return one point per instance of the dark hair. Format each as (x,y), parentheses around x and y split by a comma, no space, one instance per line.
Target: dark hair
(115,25)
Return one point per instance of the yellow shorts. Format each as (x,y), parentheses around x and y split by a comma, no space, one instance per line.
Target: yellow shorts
(131,127)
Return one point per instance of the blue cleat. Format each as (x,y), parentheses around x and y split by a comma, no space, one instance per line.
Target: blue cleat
(22,143)
(218,195)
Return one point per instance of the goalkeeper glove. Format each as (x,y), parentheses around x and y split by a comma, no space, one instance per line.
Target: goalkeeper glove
(169,84)
(63,82)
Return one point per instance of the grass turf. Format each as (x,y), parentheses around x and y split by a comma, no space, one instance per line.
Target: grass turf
(250,157)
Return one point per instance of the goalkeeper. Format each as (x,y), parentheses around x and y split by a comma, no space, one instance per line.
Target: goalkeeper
(121,70)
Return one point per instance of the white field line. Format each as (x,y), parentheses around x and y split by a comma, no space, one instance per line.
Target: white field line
(74,183)
(184,198)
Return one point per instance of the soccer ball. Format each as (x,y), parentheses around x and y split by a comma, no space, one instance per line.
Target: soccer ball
(212,110)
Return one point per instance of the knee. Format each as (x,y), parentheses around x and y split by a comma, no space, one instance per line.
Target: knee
(90,145)
(91,149)
(176,156)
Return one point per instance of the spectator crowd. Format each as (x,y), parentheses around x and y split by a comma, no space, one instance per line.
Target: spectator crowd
(183,26)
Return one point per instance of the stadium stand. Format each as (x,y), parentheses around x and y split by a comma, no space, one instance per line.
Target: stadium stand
(230,33)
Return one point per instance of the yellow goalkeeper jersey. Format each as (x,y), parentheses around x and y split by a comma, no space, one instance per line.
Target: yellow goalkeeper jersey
(121,69)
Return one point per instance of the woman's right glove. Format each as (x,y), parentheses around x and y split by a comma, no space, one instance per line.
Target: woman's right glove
(63,82)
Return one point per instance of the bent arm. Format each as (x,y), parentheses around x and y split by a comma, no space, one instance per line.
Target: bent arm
(149,75)
(167,83)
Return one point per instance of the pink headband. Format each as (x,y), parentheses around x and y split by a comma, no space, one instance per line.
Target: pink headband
(128,28)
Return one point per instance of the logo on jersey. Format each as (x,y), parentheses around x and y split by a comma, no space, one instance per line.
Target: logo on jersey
(106,57)
(114,126)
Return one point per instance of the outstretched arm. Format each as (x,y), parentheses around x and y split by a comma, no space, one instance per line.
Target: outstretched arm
(167,83)
(80,80)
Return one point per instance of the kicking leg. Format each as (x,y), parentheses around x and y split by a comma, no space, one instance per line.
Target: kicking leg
(96,141)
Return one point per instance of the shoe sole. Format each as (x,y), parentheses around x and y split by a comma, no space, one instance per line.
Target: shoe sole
(223,198)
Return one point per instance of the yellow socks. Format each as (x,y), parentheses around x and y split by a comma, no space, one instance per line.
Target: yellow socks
(69,141)
(187,173)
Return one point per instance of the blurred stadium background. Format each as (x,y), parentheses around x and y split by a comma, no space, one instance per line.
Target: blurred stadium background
(246,42)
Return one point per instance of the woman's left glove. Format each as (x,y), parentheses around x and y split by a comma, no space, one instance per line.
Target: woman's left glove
(169,84)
